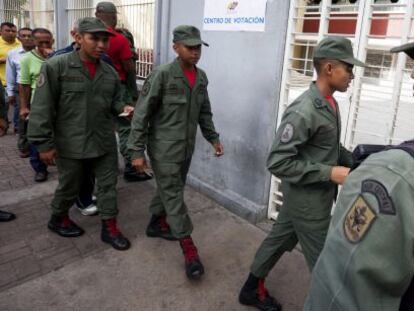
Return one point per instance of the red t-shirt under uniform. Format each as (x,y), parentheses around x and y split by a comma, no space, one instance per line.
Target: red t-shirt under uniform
(119,51)
(191,76)
(331,102)
(91,66)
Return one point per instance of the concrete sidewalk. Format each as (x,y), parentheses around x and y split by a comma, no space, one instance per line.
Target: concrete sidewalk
(42,271)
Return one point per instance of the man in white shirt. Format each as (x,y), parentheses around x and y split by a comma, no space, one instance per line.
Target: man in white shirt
(12,76)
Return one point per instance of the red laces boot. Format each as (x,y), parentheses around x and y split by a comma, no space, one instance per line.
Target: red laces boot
(64,226)
(193,266)
(159,228)
(254,293)
(110,234)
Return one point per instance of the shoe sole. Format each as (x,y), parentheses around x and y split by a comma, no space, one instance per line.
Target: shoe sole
(195,277)
(87,213)
(65,235)
(155,235)
(249,303)
(117,247)
(40,180)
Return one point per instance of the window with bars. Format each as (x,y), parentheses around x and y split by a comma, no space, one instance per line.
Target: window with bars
(378,107)
(28,13)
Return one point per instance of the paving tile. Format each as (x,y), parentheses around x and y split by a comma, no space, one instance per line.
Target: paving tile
(26,266)
(58,260)
(12,247)
(15,254)
(7,273)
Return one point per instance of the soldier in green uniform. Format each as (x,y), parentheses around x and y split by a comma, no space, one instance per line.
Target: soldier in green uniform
(173,102)
(311,162)
(71,124)
(367,262)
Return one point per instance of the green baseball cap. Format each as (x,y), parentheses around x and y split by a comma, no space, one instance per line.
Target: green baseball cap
(339,48)
(92,25)
(407,48)
(187,35)
(106,7)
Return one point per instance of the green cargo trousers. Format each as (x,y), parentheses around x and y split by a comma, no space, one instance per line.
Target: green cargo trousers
(123,129)
(169,198)
(71,173)
(124,126)
(286,232)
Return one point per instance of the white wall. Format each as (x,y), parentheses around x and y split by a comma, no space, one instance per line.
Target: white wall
(244,70)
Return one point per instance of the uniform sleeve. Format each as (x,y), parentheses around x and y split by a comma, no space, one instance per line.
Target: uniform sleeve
(10,77)
(117,103)
(24,71)
(345,157)
(284,160)
(147,103)
(205,121)
(43,110)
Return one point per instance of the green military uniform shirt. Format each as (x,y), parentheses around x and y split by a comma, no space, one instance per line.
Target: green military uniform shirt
(367,263)
(305,149)
(67,115)
(168,113)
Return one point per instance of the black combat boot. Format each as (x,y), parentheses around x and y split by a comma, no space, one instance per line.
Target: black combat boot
(110,234)
(159,228)
(64,226)
(131,175)
(6,216)
(255,294)
(193,266)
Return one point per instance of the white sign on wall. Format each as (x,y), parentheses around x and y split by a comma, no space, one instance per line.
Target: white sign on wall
(228,15)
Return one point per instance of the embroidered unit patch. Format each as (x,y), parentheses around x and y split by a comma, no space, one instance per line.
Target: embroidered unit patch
(41,80)
(287,133)
(358,220)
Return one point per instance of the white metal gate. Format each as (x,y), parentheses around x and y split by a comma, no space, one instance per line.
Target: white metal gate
(378,107)
(135,15)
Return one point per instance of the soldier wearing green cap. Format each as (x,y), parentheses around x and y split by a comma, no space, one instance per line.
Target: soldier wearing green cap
(308,157)
(173,102)
(72,127)
(367,262)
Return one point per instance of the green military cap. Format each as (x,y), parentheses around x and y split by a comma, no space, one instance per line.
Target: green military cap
(106,7)
(407,48)
(92,25)
(187,35)
(339,48)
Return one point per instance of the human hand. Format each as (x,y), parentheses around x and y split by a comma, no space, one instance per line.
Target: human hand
(339,174)
(11,100)
(48,157)
(219,149)
(24,113)
(127,112)
(140,164)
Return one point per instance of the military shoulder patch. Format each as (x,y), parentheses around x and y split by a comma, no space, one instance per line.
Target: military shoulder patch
(358,220)
(386,205)
(41,80)
(146,88)
(287,133)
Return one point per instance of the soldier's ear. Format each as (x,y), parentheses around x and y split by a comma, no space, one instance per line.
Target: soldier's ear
(328,68)
(77,37)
